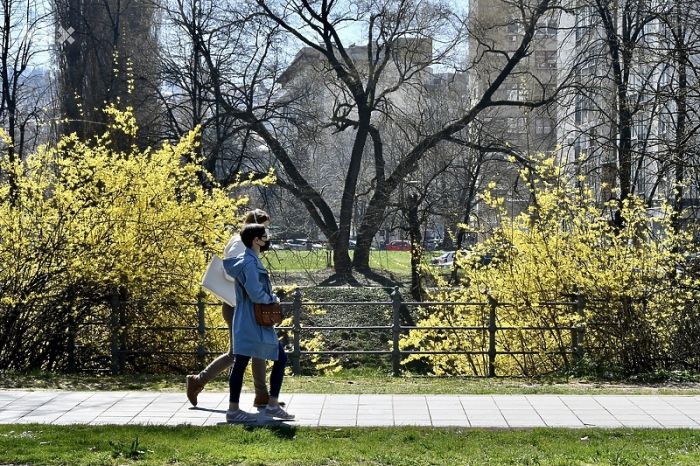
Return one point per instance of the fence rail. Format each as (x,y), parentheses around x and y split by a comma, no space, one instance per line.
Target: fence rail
(118,349)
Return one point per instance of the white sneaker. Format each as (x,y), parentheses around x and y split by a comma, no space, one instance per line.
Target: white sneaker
(278,412)
(238,416)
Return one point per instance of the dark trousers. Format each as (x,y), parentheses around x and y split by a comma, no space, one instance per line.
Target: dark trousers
(240,362)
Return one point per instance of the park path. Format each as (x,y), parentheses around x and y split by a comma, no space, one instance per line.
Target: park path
(490,411)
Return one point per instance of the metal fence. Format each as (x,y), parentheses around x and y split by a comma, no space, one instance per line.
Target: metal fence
(118,349)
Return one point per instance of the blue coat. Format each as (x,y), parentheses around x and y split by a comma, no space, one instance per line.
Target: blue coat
(252,285)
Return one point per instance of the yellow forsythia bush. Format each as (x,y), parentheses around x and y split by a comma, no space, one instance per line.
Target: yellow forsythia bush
(83,222)
(639,310)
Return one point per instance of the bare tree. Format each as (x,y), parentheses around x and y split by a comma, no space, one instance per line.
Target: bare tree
(679,89)
(107,52)
(185,94)
(23,86)
(633,127)
(369,81)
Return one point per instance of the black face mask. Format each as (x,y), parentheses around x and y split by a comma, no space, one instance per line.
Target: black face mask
(266,246)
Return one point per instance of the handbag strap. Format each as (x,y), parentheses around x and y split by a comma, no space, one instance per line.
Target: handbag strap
(244,290)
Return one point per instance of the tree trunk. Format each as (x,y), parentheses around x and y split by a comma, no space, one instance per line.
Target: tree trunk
(343,265)
(624,156)
(370,225)
(679,150)
(468,205)
(415,236)
(620,50)
(9,96)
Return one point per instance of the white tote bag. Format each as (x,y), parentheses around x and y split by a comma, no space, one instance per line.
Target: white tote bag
(216,282)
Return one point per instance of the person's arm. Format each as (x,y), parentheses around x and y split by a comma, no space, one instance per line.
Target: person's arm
(253,286)
(233,248)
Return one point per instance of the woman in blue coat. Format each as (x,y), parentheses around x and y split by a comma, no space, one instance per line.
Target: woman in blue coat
(249,338)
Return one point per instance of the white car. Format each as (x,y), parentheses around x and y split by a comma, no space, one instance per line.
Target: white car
(299,244)
(445,260)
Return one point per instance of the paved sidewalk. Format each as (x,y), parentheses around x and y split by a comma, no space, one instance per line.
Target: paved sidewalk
(501,411)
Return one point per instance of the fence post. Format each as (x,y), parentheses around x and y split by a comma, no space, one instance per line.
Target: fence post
(114,331)
(492,336)
(396,331)
(578,331)
(296,327)
(201,331)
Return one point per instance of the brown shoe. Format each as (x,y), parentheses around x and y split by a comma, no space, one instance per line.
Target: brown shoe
(194,387)
(261,400)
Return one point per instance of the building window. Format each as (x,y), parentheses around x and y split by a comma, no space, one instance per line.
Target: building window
(641,176)
(543,126)
(665,31)
(584,144)
(578,112)
(547,28)
(588,108)
(546,59)
(584,108)
(650,27)
(639,129)
(584,21)
(515,124)
(663,126)
(513,27)
(549,90)
(514,91)
(665,76)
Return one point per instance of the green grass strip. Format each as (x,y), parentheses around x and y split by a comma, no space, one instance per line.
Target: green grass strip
(397,262)
(113,445)
(362,381)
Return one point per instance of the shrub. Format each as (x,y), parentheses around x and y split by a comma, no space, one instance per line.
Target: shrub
(88,220)
(640,313)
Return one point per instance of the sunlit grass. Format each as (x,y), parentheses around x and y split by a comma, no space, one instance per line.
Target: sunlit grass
(396,262)
(358,381)
(112,445)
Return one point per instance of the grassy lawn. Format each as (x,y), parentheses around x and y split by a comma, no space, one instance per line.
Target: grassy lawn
(396,262)
(113,445)
(360,381)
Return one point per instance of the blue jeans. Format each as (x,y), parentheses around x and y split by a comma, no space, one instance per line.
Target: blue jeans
(240,362)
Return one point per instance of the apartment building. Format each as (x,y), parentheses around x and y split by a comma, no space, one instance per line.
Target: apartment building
(496,30)
(606,126)
(628,124)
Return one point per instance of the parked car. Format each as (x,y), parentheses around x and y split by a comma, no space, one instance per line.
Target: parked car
(447,259)
(301,244)
(297,244)
(351,244)
(444,260)
(431,244)
(398,245)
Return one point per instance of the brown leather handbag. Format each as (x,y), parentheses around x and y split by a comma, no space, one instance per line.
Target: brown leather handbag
(267,315)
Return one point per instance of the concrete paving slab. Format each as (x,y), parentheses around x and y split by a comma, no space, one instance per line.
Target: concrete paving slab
(495,411)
